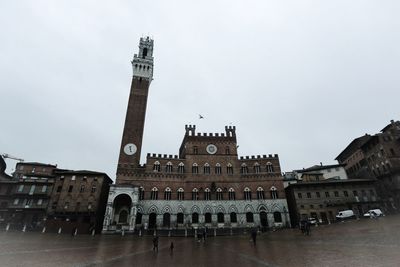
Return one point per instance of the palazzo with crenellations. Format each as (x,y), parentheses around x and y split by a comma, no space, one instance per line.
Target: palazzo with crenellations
(206,185)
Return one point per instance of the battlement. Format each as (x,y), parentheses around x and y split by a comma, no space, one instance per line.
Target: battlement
(190,130)
(230,131)
(161,156)
(270,156)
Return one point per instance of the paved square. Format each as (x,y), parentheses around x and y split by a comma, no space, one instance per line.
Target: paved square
(365,242)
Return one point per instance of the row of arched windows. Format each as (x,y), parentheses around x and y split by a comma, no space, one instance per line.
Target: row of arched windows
(219,194)
(140,67)
(217,169)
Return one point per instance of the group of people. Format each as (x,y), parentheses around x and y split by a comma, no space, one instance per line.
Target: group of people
(155,245)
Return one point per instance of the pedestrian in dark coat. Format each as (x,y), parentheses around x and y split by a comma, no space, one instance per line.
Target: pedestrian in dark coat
(155,243)
(308,227)
(254,236)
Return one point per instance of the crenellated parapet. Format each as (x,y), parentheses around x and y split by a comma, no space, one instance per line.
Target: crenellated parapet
(270,156)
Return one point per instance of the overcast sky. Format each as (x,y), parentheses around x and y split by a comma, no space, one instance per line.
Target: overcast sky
(300,79)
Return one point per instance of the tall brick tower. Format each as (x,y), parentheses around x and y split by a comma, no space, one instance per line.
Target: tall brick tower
(131,145)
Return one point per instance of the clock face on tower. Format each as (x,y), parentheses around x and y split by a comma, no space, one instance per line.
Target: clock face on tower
(211,149)
(130,149)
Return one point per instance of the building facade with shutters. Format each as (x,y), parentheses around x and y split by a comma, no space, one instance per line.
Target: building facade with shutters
(205,185)
(78,201)
(377,157)
(28,195)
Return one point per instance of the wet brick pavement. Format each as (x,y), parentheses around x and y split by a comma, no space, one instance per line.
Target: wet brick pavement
(365,242)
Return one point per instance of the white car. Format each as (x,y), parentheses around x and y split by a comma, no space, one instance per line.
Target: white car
(345,214)
(312,220)
(374,213)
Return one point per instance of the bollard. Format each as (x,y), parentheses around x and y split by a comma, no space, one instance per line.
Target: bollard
(140,232)
(7,227)
(44,229)
(24,228)
(59,230)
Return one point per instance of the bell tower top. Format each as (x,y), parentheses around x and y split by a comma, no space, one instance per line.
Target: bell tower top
(142,63)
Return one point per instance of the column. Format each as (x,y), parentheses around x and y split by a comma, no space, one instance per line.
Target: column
(108,216)
(132,218)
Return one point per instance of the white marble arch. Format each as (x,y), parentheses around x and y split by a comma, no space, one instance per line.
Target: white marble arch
(118,190)
(233,208)
(220,209)
(262,207)
(180,209)
(248,208)
(195,209)
(153,209)
(207,209)
(166,209)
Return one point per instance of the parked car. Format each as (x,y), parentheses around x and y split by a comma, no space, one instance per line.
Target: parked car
(345,214)
(374,213)
(312,220)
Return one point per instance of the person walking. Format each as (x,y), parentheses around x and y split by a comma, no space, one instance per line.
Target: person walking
(155,243)
(171,248)
(308,228)
(204,234)
(254,236)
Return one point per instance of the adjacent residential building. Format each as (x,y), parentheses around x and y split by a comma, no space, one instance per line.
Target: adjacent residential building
(32,187)
(78,201)
(6,187)
(323,199)
(378,157)
(335,171)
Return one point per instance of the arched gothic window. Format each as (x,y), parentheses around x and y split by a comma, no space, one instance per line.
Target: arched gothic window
(181,195)
(195,168)
(229,168)
(247,193)
(154,193)
(157,166)
(220,195)
(181,168)
(244,169)
(207,194)
(218,168)
(168,167)
(167,194)
(260,193)
(256,167)
(195,194)
(144,52)
(141,193)
(270,168)
(206,168)
(274,193)
(231,194)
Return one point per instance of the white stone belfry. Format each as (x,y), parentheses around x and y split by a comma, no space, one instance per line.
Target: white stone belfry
(142,63)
